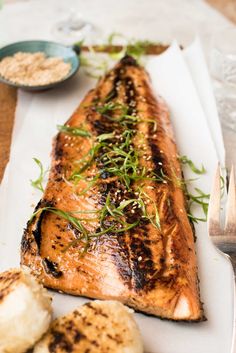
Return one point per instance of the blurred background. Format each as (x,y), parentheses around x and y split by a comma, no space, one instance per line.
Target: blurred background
(155,19)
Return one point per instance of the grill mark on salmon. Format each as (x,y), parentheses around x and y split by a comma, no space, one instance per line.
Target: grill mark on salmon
(138,269)
(52,268)
(37,232)
(156,158)
(113,93)
(151,269)
(142,263)
(122,262)
(58,151)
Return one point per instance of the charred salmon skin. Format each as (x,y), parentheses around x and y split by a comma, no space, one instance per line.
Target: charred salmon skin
(112,222)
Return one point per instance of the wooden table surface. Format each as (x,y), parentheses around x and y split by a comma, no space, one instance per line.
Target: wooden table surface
(8,95)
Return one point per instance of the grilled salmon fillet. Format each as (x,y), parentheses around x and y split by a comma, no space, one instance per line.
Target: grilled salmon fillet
(112,222)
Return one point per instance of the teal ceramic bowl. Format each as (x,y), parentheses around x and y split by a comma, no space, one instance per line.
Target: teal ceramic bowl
(51,49)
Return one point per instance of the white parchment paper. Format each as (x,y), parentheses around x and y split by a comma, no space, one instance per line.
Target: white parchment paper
(197,66)
(190,115)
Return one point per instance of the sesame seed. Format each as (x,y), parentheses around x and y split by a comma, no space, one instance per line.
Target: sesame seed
(140,258)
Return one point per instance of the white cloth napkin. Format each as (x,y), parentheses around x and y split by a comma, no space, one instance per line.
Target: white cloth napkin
(174,77)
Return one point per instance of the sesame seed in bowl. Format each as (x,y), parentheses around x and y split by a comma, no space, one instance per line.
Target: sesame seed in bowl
(37,65)
(33,69)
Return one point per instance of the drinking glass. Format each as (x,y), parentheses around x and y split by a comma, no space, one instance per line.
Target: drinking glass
(74,28)
(223,71)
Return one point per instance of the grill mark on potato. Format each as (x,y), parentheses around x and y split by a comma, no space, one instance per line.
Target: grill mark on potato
(59,341)
(7,279)
(96,310)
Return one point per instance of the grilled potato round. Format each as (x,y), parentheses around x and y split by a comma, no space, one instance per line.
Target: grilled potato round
(25,311)
(96,327)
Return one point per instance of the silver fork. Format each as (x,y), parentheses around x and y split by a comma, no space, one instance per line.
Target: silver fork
(224,237)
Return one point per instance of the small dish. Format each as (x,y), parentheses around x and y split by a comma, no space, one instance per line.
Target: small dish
(51,49)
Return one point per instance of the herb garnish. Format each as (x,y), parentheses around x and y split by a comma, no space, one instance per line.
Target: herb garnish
(116,224)
(111,219)
(185,160)
(76,131)
(201,199)
(112,36)
(96,66)
(38,183)
(137,48)
(115,156)
(116,151)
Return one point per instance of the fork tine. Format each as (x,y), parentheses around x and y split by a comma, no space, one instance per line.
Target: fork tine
(230,223)
(214,206)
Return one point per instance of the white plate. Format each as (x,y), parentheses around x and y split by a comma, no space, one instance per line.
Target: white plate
(34,140)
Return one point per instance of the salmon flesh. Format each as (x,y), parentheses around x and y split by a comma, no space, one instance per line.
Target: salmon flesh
(112,222)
